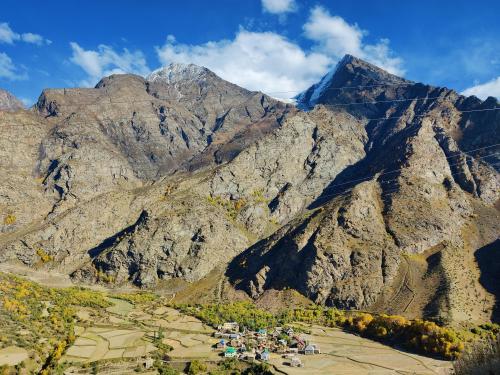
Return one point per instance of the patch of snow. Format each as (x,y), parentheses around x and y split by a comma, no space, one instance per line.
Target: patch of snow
(177,72)
(319,88)
(286,100)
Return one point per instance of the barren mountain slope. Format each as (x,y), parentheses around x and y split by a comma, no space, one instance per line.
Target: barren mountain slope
(77,144)
(421,196)
(377,205)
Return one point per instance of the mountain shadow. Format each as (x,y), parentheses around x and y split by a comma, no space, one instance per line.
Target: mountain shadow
(488,259)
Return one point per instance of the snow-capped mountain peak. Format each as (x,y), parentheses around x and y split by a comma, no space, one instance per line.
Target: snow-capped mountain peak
(312,94)
(177,72)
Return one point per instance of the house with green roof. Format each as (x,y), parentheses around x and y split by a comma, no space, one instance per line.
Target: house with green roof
(230,352)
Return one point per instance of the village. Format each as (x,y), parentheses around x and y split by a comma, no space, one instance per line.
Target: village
(243,344)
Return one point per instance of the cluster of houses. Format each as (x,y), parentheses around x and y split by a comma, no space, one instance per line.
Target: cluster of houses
(252,345)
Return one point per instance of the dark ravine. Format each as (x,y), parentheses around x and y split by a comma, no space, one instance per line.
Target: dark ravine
(332,198)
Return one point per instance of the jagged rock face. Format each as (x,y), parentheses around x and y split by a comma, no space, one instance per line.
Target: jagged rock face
(291,167)
(142,130)
(341,255)
(22,196)
(336,202)
(350,249)
(170,246)
(205,222)
(224,110)
(353,81)
(428,190)
(369,92)
(9,102)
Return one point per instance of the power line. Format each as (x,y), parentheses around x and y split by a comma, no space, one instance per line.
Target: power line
(152,100)
(461,153)
(352,87)
(368,178)
(399,169)
(451,174)
(380,101)
(157,117)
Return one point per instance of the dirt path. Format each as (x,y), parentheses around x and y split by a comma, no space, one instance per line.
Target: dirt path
(220,288)
(405,294)
(50,279)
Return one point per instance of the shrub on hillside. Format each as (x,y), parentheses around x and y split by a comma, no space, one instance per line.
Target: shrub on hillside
(418,335)
(429,338)
(196,367)
(482,358)
(258,369)
(9,219)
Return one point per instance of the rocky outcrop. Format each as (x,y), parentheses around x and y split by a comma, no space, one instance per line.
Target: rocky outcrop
(210,218)
(137,130)
(340,255)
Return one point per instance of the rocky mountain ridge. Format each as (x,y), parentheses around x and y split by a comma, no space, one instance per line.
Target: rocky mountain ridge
(376,197)
(9,102)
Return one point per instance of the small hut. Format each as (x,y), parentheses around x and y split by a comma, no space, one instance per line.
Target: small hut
(309,350)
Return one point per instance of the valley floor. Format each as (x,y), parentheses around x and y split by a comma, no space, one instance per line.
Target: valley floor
(342,353)
(121,338)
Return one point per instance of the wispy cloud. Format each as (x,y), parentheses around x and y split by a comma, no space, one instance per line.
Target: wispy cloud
(335,37)
(491,88)
(279,6)
(35,39)
(104,61)
(9,36)
(8,70)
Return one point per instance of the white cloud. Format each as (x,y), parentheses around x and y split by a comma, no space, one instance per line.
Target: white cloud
(255,60)
(106,61)
(335,37)
(269,62)
(8,70)
(491,88)
(27,102)
(279,6)
(333,33)
(9,36)
(35,39)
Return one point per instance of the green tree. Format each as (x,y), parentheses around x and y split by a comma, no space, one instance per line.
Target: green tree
(196,367)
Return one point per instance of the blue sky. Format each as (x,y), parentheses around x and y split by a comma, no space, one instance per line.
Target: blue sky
(277,46)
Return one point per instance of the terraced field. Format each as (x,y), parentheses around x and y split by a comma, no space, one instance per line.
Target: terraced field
(98,343)
(12,355)
(346,354)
